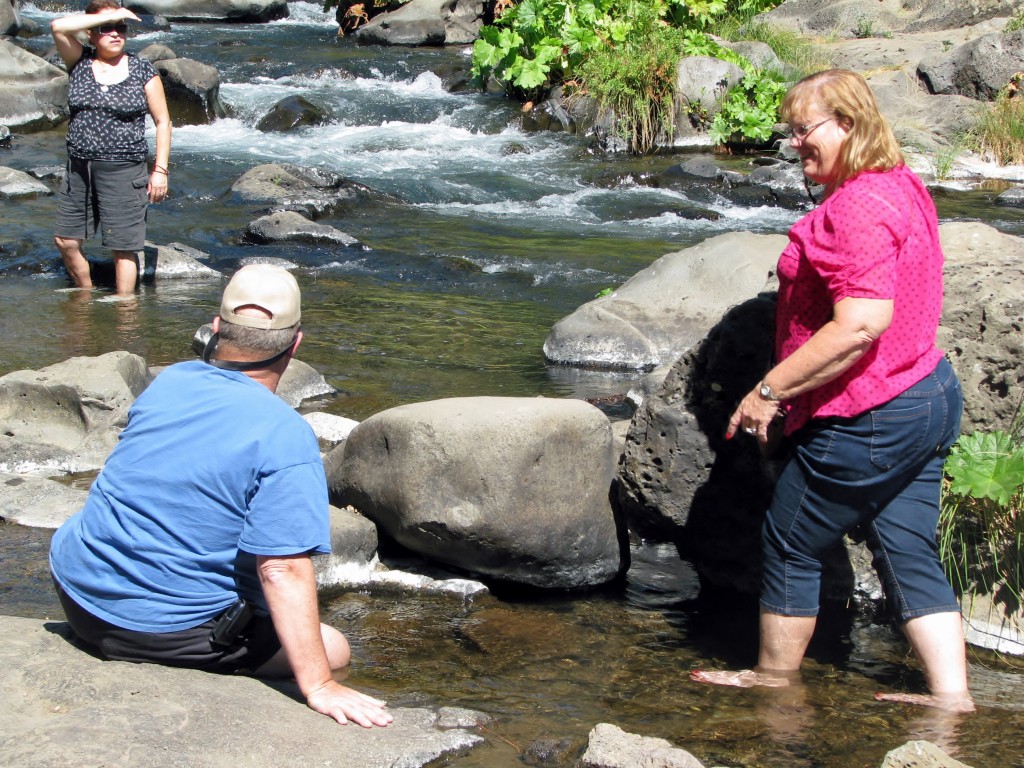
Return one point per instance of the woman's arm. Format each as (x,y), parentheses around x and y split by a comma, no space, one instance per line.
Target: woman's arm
(65,28)
(855,325)
(157,102)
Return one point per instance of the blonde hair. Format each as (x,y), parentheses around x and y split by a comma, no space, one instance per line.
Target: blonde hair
(845,95)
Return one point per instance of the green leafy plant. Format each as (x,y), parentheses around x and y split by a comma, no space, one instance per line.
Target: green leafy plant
(982,522)
(623,53)
(750,110)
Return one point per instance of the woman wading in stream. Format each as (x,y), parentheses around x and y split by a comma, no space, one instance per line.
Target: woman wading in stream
(107,186)
(869,402)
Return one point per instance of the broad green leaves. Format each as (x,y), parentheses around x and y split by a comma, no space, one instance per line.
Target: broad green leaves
(538,44)
(548,39)
(986,465)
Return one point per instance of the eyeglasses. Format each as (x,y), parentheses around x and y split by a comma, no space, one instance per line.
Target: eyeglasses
(121,28)
(801,132)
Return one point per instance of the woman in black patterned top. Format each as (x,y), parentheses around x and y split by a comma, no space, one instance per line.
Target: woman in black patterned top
(107,186)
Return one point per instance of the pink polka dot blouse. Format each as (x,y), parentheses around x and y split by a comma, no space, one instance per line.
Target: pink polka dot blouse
(875,237)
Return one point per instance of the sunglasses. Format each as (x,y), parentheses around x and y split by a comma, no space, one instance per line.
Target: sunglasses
(121,28)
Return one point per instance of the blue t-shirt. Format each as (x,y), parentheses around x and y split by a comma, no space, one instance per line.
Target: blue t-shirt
(211,470)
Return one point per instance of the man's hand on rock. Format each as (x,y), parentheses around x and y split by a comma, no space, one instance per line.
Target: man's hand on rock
(345,705)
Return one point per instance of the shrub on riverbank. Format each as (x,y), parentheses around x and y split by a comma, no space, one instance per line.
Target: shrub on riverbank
(623,54)
(982,522)
(999,131)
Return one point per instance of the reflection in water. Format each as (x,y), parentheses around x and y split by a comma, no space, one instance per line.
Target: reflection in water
(94,322)
(77,330)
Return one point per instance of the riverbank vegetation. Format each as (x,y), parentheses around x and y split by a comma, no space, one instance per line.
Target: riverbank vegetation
(999,128)
(982,522)
(623,54)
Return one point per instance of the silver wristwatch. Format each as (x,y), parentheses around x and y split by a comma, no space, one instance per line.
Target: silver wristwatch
(766,393)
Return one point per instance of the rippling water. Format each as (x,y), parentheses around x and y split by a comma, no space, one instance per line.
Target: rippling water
(489,236)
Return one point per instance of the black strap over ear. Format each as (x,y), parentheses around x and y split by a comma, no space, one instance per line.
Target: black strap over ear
(237,365)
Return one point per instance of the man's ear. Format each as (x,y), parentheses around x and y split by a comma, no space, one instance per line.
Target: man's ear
(216,324)
(295,346)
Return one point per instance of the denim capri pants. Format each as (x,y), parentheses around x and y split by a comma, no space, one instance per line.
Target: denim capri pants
(881,470)
(106,195)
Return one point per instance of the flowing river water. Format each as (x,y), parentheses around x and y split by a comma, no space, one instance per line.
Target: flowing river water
(488,235)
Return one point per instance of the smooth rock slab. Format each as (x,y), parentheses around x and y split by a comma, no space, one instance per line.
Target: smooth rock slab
(38,501)
(64,707)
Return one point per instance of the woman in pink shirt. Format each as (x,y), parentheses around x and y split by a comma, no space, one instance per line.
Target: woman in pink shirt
(871,404)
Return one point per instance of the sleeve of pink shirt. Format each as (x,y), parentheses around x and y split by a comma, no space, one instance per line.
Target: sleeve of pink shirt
(857,237)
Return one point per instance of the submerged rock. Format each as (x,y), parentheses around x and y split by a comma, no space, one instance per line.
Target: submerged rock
(314,190)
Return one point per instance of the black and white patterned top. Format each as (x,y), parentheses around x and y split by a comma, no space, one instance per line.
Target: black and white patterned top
(108,122)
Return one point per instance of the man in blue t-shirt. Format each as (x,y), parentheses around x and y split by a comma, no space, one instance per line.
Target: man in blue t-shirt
(193,548)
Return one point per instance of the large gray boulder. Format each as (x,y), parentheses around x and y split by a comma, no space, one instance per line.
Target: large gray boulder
(33,92)
(73,708)
(10,20)
(193,91)
(242,11)
(512,488)
(850,17)
(668,307)
(978,69)
(702,83)
(426,22)
(66,417)
(928,122)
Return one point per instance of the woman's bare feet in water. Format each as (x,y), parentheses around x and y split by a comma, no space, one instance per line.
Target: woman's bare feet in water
(949,702)
(744,678)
